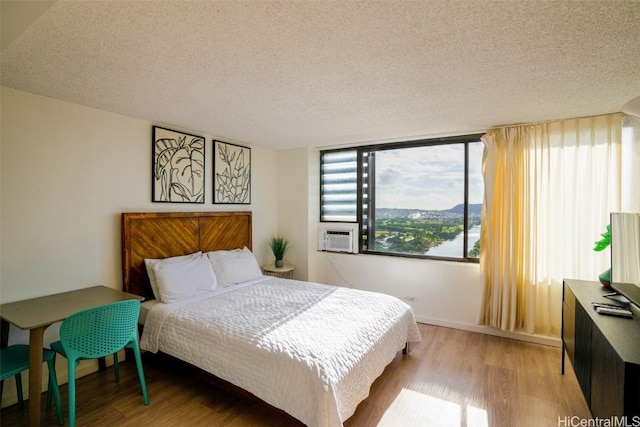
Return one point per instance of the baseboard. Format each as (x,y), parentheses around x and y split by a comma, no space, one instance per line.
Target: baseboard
(489,330)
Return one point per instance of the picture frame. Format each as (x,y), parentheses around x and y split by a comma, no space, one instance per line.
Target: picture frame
(178,168)
(231,173)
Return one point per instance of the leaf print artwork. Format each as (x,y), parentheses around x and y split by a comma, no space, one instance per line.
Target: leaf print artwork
(178,169)
(232,174)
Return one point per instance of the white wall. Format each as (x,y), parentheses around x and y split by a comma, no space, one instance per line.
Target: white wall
(292,208)
(67,172)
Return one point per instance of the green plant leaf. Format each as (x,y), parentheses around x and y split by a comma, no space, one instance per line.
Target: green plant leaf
(603,243)
(279,246)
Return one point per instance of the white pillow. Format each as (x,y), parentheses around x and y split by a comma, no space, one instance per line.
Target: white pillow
(182,279)
(236,266)
(177,279)
(149,263)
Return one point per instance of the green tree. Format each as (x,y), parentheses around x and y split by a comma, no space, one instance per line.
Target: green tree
(475,251)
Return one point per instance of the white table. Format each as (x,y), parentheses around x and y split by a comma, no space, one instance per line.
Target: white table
(285,272)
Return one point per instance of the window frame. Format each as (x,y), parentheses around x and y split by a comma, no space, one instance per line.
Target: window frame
(367,150)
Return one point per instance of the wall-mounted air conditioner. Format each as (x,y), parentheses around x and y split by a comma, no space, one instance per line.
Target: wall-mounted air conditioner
(338,237)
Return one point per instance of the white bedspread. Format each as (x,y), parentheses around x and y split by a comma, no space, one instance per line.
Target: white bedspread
(311,350)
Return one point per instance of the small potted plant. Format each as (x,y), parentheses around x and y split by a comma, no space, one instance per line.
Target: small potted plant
(279,246)
(602,244)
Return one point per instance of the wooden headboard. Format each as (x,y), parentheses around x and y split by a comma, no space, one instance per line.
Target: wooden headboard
(166,234)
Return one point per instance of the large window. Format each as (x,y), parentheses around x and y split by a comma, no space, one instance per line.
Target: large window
(420,198)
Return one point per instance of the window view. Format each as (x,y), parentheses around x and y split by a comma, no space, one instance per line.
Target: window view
(420,200)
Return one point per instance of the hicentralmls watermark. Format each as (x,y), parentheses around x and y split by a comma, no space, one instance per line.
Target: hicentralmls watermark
(622,421)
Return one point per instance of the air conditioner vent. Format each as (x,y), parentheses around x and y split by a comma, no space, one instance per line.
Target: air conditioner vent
(338,237)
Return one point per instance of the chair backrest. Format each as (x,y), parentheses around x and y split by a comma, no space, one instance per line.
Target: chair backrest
(100,331)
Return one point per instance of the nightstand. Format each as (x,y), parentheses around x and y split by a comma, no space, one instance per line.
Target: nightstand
(284,272)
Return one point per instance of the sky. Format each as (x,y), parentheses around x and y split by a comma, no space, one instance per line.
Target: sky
(427,177)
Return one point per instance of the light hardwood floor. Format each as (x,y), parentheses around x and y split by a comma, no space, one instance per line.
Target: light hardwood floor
(452,378)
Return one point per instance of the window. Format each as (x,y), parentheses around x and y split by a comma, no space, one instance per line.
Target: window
(339,191)
(419,198)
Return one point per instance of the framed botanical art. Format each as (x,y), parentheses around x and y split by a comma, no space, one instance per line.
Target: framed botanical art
(231,173)
(178,167)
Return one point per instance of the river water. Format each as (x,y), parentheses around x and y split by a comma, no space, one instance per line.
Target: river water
(453,248)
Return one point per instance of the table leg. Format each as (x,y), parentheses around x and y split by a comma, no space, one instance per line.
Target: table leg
(35,374)
(4,340)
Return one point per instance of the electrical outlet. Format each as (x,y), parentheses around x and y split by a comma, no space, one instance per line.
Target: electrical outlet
(409,298)
(333,260)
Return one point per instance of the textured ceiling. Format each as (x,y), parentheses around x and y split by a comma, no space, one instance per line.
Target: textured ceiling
(317,73)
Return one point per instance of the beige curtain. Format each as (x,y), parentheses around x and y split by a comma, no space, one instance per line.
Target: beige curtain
(549,189)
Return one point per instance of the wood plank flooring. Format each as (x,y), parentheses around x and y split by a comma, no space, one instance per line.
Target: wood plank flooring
(452,378)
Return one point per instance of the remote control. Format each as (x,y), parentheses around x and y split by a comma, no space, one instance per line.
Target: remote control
(622,312)
(604,304)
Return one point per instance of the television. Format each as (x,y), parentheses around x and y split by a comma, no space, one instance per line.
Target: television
(625,255)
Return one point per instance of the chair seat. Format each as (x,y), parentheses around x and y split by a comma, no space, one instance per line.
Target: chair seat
(57,347)
(15,359)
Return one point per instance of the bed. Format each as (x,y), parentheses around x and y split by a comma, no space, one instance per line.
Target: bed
(308,349)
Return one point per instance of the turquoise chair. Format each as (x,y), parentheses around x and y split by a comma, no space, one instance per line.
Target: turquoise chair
(15,359)
(99,332)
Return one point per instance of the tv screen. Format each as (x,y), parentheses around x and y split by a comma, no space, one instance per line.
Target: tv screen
(625,255)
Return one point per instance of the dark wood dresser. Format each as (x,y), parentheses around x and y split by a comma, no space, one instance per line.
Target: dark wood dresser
(604,350)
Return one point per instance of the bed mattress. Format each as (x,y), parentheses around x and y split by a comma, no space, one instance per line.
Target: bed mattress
(311,350)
